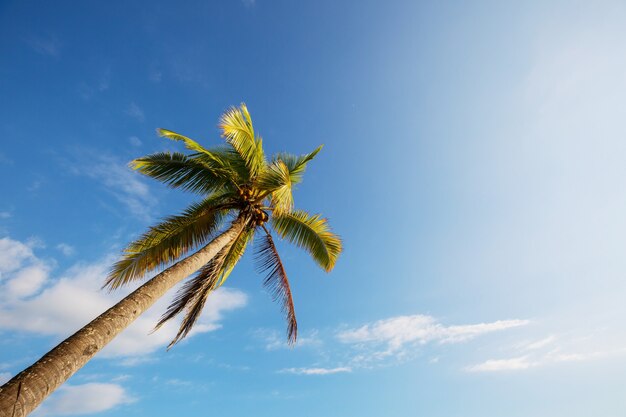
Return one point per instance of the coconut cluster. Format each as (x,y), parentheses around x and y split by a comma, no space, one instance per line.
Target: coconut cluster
(259,217)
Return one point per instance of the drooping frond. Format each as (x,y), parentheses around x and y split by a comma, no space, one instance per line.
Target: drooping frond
(311,233)
(193,294)
(177,170)
(237,129)
(166,242)
(236,251)
(277,283)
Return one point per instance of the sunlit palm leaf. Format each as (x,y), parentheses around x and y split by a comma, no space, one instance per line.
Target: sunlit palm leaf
(189,143)
(277,283)
(275,181)
(237,129)
(166,242)
(312,233)
(297,164)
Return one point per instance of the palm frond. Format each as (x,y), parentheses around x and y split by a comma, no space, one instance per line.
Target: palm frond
(237,129)
(225,159)
(280,176)
(166,242)
(236,251)
(177,170)
(297,164)
(277,283)
(193,294)
(276,181)
(312,233)
(189,143)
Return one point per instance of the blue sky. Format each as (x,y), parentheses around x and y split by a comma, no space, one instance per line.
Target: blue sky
(473,164)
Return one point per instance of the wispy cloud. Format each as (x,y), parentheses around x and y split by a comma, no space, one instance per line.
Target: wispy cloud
(274,340)
(495,365)
(135,112)
(35,302)
(315,371)
(49,46)
(249,3)
(155,74)
(66,249)
(88,398)
(88,90)
(134,141)
(396,334)
(118,180)
(385,342)
(550,350)
(5,214)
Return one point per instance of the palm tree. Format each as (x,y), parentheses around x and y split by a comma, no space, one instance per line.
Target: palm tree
(243,193)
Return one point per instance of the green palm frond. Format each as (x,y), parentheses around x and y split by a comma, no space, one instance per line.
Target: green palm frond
(225,160)
(235,252)
(280,176)
(276,182)
(166,242)
(193,294)
(297,164)
(236,125)
(312,233)
(277,283)
(177,170)
(189,143)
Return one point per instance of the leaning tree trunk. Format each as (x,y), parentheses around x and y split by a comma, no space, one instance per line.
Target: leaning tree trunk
(24,392)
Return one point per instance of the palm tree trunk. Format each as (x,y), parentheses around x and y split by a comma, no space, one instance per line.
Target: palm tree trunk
(24,392)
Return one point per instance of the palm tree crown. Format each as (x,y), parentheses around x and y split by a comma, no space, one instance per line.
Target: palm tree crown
(237,181)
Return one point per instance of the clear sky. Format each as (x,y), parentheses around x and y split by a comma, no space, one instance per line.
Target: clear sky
(474,164)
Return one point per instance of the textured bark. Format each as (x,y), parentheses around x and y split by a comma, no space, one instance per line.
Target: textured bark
(24,392)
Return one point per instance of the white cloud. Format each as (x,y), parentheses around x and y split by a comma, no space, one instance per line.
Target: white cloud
(135,112)
(495,365)
(5,215)
(249,3)
(27,280)
(21,272)
(12,255)
(316,371)
(84,399)
(398,332)
(551,351)
(539,344)
(66,249)
(42,308)
(274,340)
